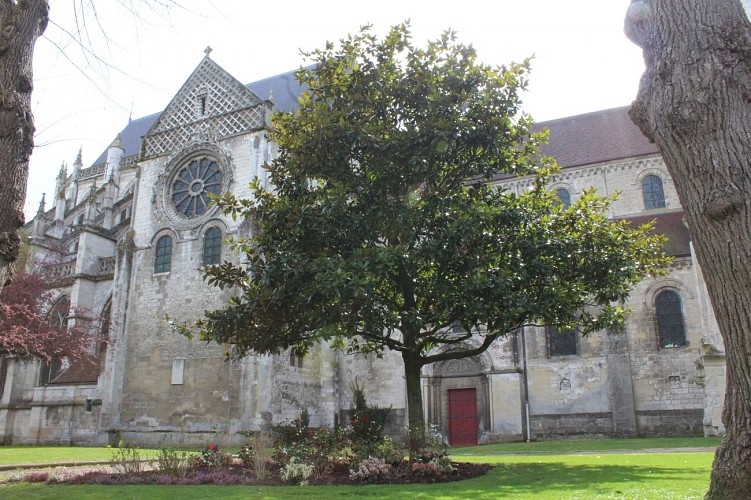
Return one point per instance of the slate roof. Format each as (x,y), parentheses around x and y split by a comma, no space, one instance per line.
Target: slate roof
(285,90)
(671,225)
(578,140)
(595,137)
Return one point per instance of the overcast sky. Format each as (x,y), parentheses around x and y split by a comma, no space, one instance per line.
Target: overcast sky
(583,62)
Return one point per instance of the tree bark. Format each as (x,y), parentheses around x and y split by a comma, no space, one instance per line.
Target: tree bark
(694,102)
(416,418)
(21,23)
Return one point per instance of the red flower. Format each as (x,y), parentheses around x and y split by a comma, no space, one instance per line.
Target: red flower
(312,433)
(212,447)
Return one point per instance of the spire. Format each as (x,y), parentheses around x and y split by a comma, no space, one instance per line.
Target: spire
(92,193)
(40,223)
(63,174)
(78,164)
(90,214)
(41,205)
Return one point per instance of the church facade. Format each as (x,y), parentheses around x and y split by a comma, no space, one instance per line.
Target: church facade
(127,238)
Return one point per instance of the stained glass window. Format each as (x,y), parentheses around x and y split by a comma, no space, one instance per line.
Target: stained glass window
(163,256)
(192,185)
(654,196)
(212,246)
(564,196)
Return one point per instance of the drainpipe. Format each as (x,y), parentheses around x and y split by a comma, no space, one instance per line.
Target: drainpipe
(528,437)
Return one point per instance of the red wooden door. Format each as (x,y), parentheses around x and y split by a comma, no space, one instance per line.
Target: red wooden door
(462,417)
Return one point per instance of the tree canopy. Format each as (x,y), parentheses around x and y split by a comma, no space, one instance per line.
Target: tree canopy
(384,230)
(33,323)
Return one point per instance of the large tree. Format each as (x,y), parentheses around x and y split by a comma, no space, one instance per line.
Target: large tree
(694,102)
(21,23)
(382,231)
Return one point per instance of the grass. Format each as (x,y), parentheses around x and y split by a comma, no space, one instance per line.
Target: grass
(663,476)
(566,446)
(15,455)
(11,455)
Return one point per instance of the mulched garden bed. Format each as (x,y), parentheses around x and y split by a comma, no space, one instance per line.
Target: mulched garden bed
(338,474)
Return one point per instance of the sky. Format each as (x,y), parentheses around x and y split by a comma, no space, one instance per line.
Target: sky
(93,70)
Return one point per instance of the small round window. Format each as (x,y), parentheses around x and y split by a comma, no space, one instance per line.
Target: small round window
(193,183)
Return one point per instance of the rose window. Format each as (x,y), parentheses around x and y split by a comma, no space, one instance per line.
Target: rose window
(192,185)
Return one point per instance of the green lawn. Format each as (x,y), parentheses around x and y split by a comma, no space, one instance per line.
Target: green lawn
(566,446)
(660,476)
(12,455)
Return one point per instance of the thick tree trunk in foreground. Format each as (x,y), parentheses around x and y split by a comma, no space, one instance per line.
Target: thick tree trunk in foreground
(694,101)
(412,369)
(21,23)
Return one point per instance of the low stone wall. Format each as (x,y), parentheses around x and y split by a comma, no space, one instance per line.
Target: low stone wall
(571,424)
(664,423)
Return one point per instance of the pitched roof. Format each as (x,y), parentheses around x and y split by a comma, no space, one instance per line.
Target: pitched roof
(284,88)
(595,137)
(670,225)
(578,140)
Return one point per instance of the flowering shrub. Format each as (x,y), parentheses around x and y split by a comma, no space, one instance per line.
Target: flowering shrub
(211,457)
(36,477)
(294,433)
(434,464)
(245,455)
(426,469)
(195,477)
(296,470)
(371,470)
(367,421)
(387,450)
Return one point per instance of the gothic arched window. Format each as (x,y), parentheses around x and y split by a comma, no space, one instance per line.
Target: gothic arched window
(669,313)
(58,319)
(105,322)
(212,246)
(564,197)
(654,195)
(163,256)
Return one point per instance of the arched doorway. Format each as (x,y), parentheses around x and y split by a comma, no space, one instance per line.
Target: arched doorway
(459,400)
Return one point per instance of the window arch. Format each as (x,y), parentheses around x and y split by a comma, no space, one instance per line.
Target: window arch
(564,197)
(163,255)
(652,191)
(58,315)
(669,313)
(212,246)
(105,323)
(58,319)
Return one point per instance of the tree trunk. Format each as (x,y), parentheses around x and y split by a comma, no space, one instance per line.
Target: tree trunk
(21,23)
(416,430)
(694,102)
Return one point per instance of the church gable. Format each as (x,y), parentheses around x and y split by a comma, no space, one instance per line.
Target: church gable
(211,105)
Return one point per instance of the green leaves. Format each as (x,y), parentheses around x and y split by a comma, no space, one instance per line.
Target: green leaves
(382,231)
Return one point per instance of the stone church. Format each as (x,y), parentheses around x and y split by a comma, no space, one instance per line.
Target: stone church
(127,237)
